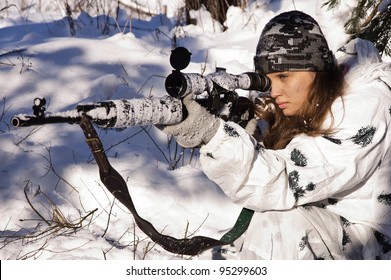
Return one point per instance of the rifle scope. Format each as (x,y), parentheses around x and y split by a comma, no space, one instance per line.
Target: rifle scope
(180,84)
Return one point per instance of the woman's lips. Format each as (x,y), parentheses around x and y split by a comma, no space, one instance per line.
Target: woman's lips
(282,105)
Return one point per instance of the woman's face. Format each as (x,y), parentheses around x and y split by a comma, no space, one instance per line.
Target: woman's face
(290,90)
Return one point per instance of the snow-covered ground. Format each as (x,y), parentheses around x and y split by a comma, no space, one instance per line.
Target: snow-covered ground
(52,203)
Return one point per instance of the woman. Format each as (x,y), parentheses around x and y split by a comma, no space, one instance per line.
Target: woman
(320,180)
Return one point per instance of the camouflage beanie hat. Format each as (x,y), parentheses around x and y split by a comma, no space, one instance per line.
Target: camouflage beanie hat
(292,41)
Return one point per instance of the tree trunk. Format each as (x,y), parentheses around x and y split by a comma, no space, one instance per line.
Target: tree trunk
(217,8)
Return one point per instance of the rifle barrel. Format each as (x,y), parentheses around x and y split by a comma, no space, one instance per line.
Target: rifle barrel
(27,120)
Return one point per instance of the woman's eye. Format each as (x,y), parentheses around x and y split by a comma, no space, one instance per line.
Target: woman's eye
(282,76)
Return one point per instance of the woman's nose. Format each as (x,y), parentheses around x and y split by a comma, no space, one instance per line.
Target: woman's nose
(274,92)
(273,87)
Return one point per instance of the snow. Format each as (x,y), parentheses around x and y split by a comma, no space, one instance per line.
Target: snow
(51,167)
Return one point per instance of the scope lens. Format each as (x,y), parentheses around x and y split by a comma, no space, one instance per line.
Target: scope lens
(175,84)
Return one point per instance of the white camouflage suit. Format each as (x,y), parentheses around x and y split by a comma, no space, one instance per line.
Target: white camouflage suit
(320,197)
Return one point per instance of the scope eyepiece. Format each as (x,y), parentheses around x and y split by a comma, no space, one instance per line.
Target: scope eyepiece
(258,82)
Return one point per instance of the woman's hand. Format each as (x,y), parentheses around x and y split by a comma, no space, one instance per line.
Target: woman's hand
(196,129)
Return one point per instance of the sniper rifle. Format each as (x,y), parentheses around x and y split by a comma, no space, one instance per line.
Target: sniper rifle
(222,101)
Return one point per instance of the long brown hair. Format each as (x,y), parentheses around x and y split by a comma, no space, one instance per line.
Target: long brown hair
(327,87)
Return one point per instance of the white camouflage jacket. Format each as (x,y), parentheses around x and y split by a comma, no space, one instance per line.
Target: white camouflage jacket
(348,173)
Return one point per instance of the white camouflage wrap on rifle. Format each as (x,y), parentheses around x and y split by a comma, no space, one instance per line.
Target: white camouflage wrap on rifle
(134,112)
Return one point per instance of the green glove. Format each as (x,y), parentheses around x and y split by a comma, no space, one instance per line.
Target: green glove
(197,129)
